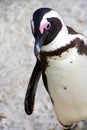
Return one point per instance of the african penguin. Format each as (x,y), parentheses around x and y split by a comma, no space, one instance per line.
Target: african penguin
(61,55)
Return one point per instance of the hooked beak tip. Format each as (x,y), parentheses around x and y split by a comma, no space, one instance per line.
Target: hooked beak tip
(36,50)
(38,44)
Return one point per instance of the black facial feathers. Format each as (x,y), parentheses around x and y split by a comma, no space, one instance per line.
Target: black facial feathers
(37,17)
(56,26)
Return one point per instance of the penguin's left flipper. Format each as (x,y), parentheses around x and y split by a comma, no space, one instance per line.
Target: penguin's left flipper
(32,86)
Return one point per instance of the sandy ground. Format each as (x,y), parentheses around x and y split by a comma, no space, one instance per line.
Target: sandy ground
(17,61)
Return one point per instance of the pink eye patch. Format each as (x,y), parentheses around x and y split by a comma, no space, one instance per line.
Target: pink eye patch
(44,26)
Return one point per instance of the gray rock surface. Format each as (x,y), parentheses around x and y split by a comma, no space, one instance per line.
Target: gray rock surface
(17,61)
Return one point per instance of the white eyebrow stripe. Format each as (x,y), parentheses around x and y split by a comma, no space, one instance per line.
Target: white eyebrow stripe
(50,14)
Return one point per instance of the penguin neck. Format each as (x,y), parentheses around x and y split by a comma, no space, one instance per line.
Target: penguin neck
(62,37)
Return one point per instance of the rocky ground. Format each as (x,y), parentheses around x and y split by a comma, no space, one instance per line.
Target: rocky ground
(17,61)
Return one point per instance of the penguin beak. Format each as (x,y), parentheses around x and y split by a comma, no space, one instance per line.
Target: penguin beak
(39,42)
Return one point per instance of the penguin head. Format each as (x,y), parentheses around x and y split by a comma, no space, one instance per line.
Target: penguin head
(46,25)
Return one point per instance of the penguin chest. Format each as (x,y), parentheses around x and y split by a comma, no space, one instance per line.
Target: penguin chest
(67,82)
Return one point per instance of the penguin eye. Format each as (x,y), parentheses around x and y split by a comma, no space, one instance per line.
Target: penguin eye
(48,26)
(45,26)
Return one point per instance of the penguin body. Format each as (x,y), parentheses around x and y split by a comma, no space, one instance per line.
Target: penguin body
(62,56)
(68,93)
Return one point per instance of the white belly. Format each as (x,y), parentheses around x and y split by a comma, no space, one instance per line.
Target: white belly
(67,81)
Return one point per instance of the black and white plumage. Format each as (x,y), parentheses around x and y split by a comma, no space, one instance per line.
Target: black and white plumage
(61,56)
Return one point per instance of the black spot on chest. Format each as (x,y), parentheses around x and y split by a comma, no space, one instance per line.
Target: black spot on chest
(65,88)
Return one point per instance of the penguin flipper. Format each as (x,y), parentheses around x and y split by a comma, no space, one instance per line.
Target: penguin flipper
(32,86)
